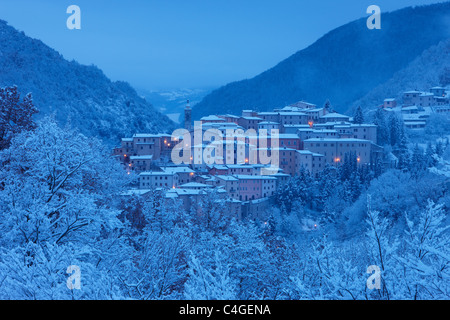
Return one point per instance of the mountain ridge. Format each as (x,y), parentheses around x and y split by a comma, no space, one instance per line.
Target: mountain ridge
(342,66)
(82,94)
(424,72)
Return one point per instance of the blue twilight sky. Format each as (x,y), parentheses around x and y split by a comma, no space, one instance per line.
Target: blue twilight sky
(156,44)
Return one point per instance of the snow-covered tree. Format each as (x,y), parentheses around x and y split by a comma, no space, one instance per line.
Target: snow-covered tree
(15,114)
(56,195)
(381,247)
(358,117)
(379,119)
(211,283)
(427,259)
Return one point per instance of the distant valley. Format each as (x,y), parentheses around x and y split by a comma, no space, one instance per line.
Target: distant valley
(171,102)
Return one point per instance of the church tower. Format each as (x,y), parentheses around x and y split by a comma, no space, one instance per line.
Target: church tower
(187,117)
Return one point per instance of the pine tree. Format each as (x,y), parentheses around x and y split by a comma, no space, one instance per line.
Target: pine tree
(358,116)
(328,107)
(327,183)
(439,148)
(430,161)
(382,129)
(402,151)
(394,129)
(418,163)
(378,169)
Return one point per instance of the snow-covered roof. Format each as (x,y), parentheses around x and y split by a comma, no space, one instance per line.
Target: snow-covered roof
(146,135)
(410,108)
(219,167)
(292,113)
(304,152)
(296,126)
(279,174)
(288,136)
(173,193)
(268,113)
(335,115)
(279,149)
(251,118)
(177,170)
(268,122)
(212,118)
(411,92)
(255,177)
(415,122)
(230,116)
(194,185)
(414,116)
(241,166)
(156,173)
(227,178)
(335,140)
(324,130)
(146,157)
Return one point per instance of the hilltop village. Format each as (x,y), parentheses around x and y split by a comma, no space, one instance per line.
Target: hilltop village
(308,139)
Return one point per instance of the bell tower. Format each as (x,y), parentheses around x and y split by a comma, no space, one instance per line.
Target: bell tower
(187,117)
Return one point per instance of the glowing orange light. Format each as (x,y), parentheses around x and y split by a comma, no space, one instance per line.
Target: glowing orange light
(173,187)
(337,159)
(310,122)
(358,159)
(246,160)
(125,155)
(169,144)
(192,173)
(129,165)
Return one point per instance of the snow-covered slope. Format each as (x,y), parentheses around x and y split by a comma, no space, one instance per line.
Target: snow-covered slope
(342,66)
(82,94)
(431,68)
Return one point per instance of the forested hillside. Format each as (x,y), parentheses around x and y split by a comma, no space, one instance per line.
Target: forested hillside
(77,93)
(342,66)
